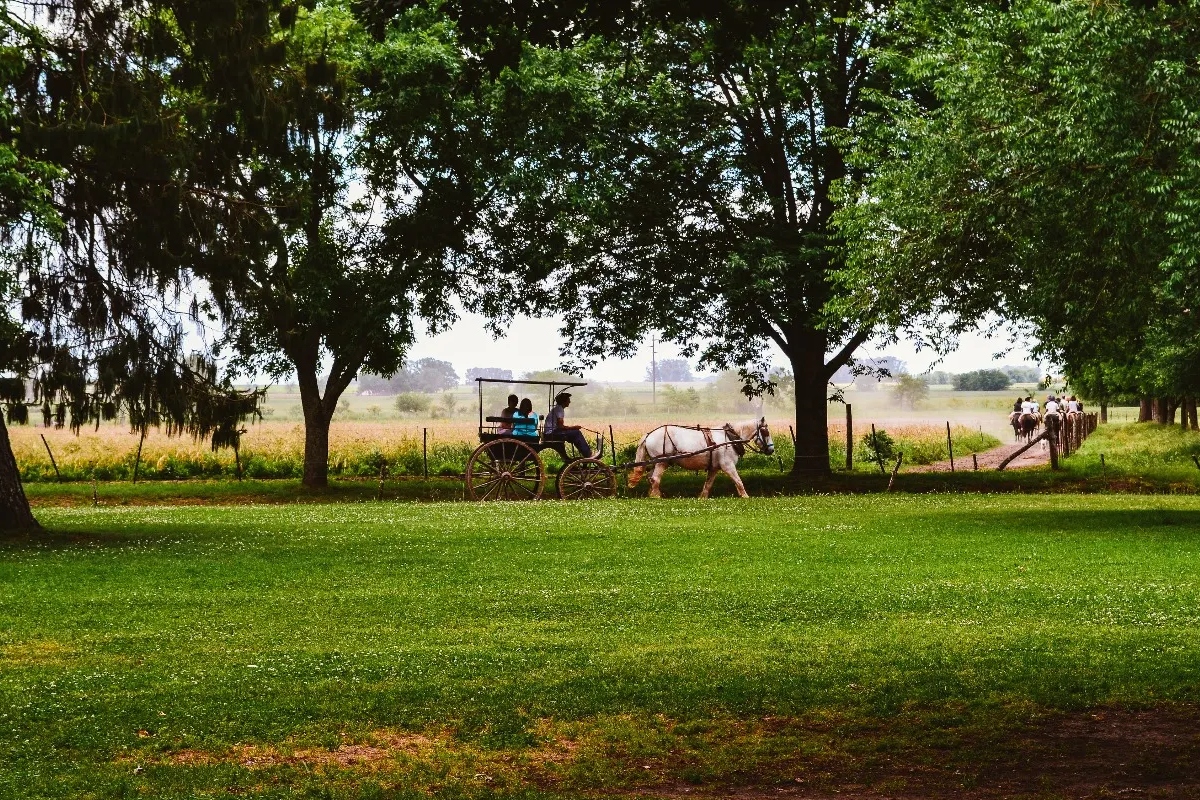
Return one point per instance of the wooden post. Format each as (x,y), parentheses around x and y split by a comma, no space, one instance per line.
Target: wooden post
(424,453)
(975,460)
(137,462)
(1013,456)
(950,445)
(95,498)
(875,444)
(612,443)
(1103,413)
(382,473)
(849,438)
(1053,450)
(53,463)
(895,469)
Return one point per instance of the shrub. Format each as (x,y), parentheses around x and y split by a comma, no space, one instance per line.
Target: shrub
(909,391)
(411,403)
(876,446)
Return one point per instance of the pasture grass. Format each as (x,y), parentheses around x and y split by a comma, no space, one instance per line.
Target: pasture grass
(553,650)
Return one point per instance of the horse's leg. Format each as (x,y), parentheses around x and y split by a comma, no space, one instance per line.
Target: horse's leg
(731,471)
(708,484)
(656,479)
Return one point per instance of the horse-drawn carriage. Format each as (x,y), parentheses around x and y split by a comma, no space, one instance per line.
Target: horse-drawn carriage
(506,466)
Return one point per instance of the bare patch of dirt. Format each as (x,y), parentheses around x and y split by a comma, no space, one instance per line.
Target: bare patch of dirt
(1149,754)
(931,754)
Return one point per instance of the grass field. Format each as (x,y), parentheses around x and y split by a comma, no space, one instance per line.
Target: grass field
(900,645)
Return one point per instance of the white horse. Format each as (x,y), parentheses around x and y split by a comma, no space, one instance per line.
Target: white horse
(713,449)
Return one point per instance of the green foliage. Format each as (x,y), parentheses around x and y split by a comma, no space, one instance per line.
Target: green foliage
(93,318)
(680,401)
(412,403)
(877,445)
(982,380)
(1051,181)
(710,141)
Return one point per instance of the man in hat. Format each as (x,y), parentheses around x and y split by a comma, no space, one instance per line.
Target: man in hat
(556,428)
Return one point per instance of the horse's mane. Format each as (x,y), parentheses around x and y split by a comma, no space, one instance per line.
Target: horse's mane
(746,428)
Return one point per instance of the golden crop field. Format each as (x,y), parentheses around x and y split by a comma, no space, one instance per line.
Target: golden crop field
(275,449)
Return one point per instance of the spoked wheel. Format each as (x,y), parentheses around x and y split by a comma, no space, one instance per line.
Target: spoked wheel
(505,469)
(587,479)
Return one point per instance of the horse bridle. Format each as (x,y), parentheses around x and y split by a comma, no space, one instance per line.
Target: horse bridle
(759,441)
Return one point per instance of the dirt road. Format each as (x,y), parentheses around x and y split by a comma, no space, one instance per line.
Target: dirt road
(1036,456)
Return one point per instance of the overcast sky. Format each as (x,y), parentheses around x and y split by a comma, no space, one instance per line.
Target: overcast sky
(533,344)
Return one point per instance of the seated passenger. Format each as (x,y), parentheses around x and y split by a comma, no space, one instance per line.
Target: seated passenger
(506,428)
(525,422)
(558,430)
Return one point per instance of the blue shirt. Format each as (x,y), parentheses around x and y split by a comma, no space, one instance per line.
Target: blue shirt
(523,425)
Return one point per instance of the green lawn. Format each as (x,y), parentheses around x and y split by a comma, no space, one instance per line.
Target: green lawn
(549,649)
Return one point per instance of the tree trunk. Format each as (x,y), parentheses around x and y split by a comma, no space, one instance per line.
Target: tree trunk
(1159,410)
(15,514)
(1172,407)
(812,409)
(1104,413)
(1145,409)
(318,412)
(1192,414)
(316,450)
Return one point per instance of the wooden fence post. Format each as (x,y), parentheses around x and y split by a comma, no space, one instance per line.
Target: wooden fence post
(950,445)
(875,444)
(895,469)
(424,453)
(975,460)
(53,463)
(137,462)
(612,442)
(1053,451)
(1013,456)
(849,438)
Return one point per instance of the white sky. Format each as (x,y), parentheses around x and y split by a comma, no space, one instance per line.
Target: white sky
(533,344)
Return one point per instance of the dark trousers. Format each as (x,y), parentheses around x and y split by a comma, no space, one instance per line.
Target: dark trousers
(574,437)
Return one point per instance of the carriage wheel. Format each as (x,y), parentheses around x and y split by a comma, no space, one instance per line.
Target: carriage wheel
(587,479)
(505,469)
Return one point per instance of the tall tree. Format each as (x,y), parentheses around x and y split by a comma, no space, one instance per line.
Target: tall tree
(92,325)
(1053,182)
(349,176)
(689,186)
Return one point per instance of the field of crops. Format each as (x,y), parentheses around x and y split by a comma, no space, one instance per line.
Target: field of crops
(361,449)
(875,646)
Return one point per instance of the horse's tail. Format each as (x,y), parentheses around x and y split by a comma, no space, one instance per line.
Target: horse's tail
(635,475)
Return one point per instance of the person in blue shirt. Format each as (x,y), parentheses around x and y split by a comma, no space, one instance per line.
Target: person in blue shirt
(525,421)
